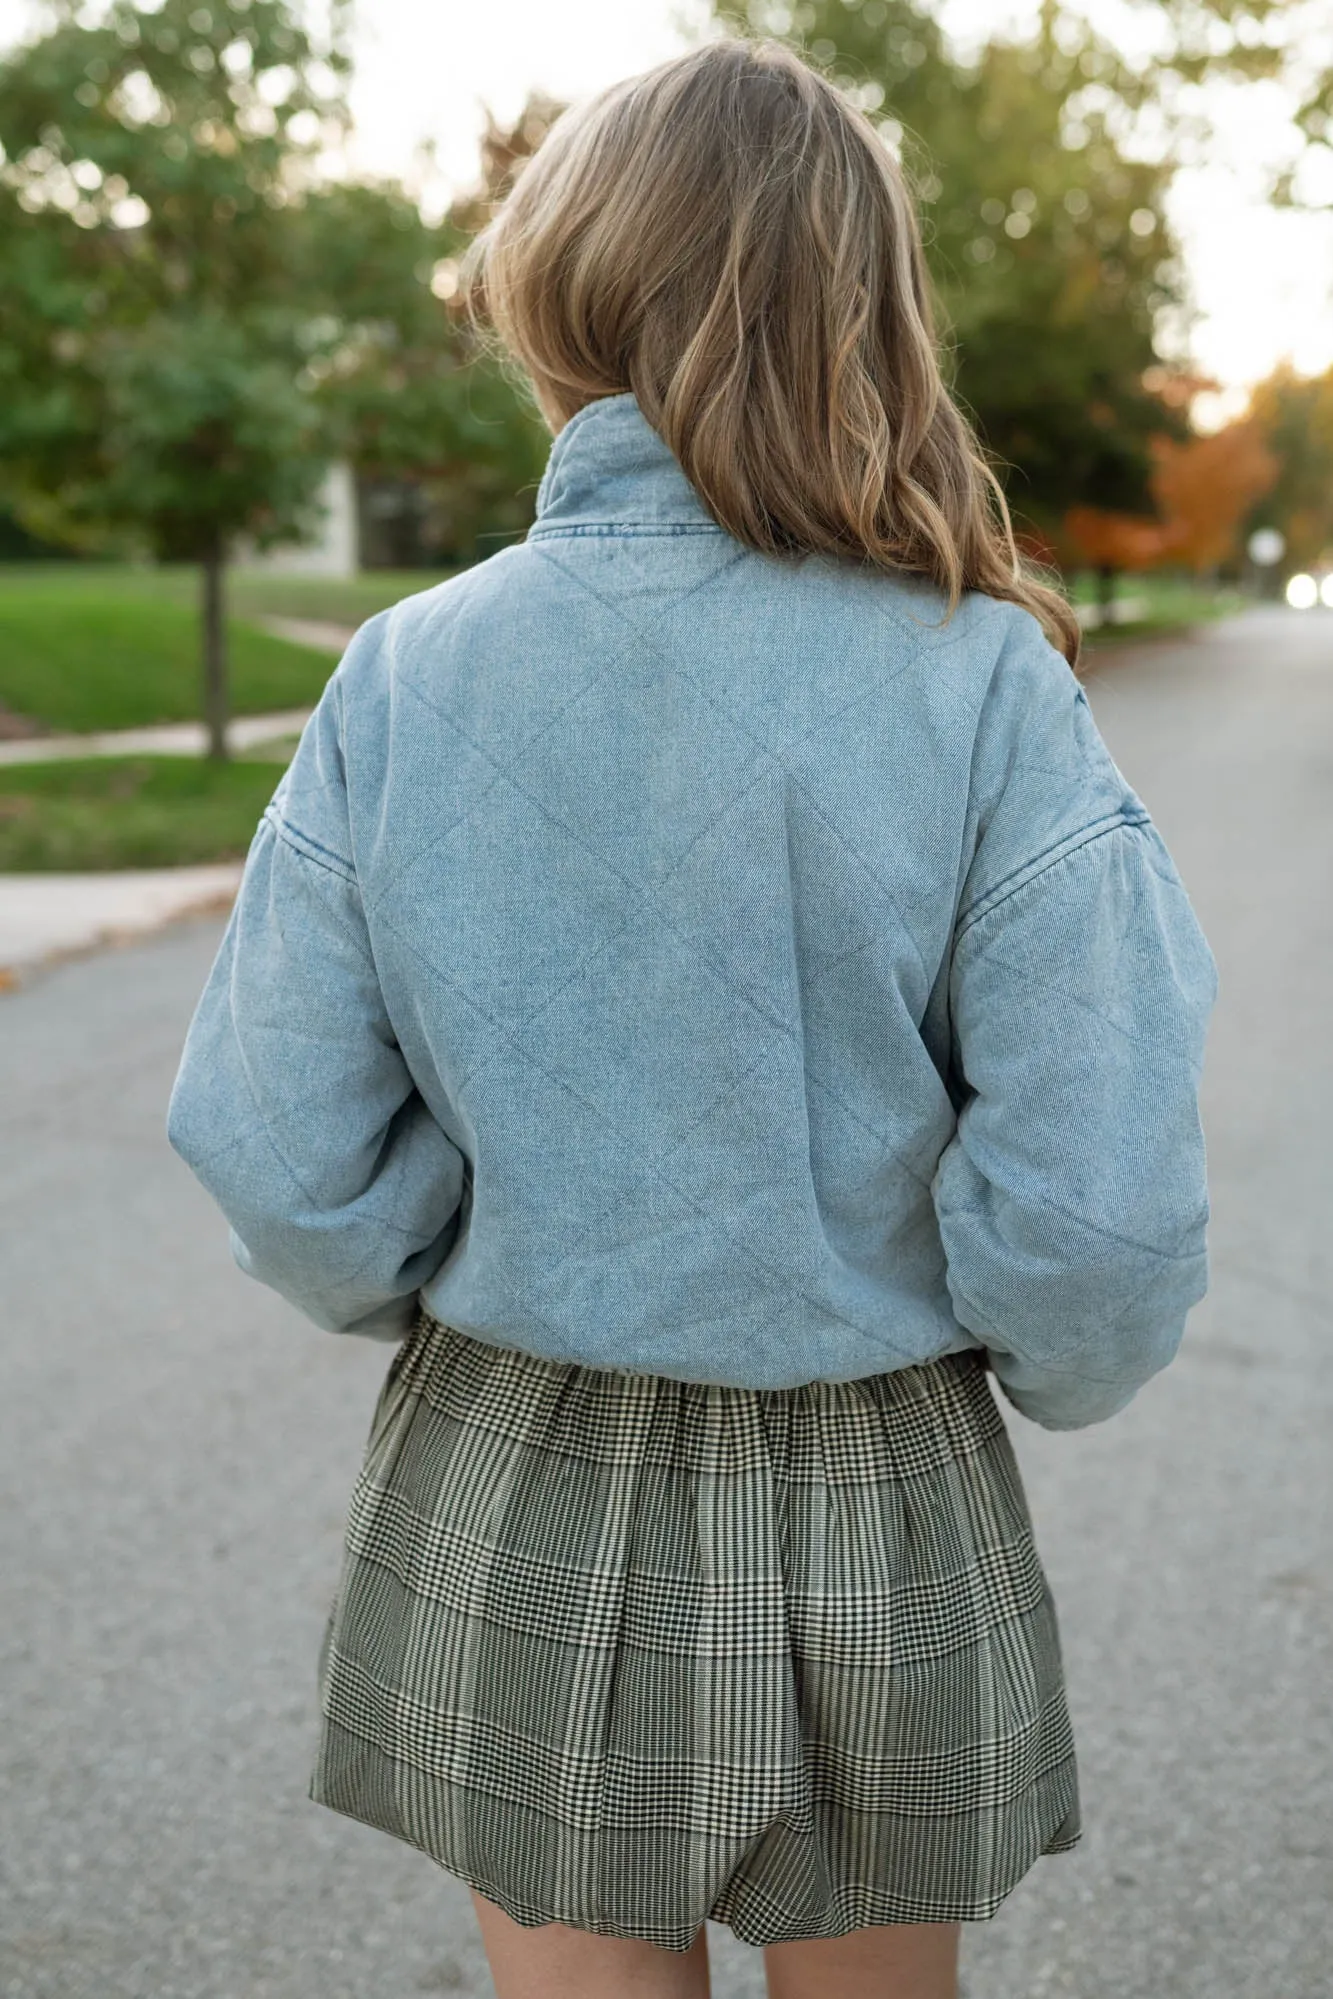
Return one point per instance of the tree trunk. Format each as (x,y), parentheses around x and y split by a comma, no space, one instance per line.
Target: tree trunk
(215,652)
(1105,594)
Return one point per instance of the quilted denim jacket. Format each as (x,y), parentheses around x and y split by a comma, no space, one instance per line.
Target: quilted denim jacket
(668,958)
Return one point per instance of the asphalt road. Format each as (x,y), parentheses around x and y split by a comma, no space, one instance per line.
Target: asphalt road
(176,1450)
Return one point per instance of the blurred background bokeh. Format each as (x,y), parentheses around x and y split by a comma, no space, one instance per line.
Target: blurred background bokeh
(241,410)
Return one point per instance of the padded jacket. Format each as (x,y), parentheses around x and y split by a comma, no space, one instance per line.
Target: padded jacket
(665,957)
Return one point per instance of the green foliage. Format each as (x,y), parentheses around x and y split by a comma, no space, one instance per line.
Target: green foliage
(147,211)
(207,113)
(405,387)
(129,812)
(1047,244)
(207,433)
(198,319)
(102,654)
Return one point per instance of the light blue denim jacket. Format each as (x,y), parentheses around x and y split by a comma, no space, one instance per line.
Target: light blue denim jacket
(669,958)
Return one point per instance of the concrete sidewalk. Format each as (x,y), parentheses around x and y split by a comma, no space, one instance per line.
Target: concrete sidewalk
(49,916)
(177,739)
(320,634)
(44,917)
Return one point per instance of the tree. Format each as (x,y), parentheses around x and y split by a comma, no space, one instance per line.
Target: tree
(158,345)
(199,317)
(1046,242)
(405,386)
(1205,487)
(1294,416)
(1112,544)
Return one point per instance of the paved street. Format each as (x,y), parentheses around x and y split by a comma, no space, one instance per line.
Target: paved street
(176,1450)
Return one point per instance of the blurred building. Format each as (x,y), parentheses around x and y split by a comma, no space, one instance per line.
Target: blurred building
(396,527)
(369,522)
(336,550)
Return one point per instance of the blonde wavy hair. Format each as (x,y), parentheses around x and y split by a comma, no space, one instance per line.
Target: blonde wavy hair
(729,239)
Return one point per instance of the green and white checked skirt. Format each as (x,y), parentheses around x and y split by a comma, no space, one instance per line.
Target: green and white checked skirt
(626,1652)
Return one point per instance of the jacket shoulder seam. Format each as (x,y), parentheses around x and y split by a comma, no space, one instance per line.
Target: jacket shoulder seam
(1042,863)
(309,848)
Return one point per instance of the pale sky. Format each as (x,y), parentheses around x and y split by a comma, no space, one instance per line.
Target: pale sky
(1262,280)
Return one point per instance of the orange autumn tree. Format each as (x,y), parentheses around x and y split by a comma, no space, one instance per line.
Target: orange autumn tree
(1111,544)
(1205,488)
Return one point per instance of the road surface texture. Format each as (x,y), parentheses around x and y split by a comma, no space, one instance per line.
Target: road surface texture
(176,1450)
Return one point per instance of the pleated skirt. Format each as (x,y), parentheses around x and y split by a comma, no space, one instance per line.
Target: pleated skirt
(628,1653)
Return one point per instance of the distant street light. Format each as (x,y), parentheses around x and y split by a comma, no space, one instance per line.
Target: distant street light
(1326,591)
(1266,546)
(1302,593)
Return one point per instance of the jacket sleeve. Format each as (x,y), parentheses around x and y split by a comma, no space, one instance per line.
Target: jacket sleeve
(1072,1199)
(293,1104)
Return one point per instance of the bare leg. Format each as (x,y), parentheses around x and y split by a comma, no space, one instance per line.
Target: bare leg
(892,1961)
(557,1962)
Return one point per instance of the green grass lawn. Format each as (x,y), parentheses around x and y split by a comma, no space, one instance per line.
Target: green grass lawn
(91,645)
(129,812)
(251,593)
(341,600)
(77,656)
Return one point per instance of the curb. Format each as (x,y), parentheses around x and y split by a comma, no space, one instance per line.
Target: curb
(47,918)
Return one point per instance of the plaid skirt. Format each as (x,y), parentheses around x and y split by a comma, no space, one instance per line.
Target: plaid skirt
(626,1652)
